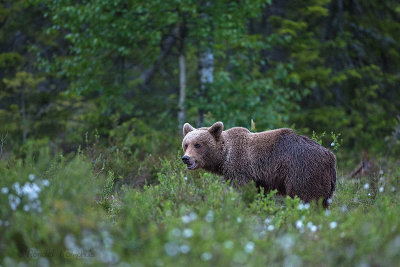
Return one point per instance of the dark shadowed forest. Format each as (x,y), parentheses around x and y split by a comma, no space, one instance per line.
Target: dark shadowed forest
(93,97)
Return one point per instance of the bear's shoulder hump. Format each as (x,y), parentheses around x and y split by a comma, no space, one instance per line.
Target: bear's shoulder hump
(238,130)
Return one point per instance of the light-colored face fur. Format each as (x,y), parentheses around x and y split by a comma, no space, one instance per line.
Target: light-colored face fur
(201,145)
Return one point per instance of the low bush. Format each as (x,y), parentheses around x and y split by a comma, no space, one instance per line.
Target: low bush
(59,210)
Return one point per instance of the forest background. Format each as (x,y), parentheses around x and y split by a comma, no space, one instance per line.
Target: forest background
(99,90)
(134,71)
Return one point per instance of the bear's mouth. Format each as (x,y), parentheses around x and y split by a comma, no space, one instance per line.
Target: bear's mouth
(191,166)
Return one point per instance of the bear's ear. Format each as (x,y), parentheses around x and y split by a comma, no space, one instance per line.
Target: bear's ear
(187,128)
(216,129)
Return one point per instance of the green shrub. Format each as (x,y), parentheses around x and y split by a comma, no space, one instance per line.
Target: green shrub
(185,217)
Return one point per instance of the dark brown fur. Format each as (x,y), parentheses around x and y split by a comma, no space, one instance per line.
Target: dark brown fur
(280,159)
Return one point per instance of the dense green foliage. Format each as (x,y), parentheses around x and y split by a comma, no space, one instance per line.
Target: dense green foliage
(188,218)
(313,65)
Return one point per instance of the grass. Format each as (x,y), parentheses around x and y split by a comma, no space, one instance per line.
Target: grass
(69,214)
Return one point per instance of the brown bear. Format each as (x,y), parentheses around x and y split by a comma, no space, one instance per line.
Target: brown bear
(280,159)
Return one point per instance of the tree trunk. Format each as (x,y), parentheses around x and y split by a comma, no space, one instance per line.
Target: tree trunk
(167,45)
(206,73)
(2,141)
(182,88)
(23,116)
(206,60)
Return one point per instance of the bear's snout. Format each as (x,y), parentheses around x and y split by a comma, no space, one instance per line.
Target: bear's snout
(186,159)
(190,162)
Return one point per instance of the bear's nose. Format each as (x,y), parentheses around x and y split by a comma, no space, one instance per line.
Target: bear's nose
(185,159)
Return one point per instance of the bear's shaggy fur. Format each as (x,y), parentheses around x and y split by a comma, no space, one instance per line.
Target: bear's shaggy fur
(280,159)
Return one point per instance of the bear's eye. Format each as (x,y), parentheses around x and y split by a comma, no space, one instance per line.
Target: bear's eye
(186,145)
(197,146)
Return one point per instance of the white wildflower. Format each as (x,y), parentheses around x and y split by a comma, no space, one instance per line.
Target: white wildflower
(239,220)
(188,218)
(332,144)
(333,225)
(327,212)
(43,262)
(109,257)
(107,239)
(209,216)
(70,243)
(299,224)
(292,260)
(4,190)
(36,188)
(188,233)
(366,186)
(312,227)
(270,228)
(381,189)
(193,216)
(228,244)
(32,177)
(286,241)
(171,249)
(14,201)
(184,249)
(303,206)
(31,190)
(260,235)
(17,188)
(90,240)
(35,205)
(46,182)
(206,256)
(249,247)
(175,232)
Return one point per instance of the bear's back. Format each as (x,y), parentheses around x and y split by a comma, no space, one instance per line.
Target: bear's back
(237,131)
(247,153)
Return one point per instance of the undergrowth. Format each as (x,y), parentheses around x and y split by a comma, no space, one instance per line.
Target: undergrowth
(62,211)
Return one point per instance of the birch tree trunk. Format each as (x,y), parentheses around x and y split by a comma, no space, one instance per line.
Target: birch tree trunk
(182,88)
(206,72)
(182,72)
(206,64)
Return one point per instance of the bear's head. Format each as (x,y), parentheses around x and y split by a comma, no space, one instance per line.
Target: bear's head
(203,147)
